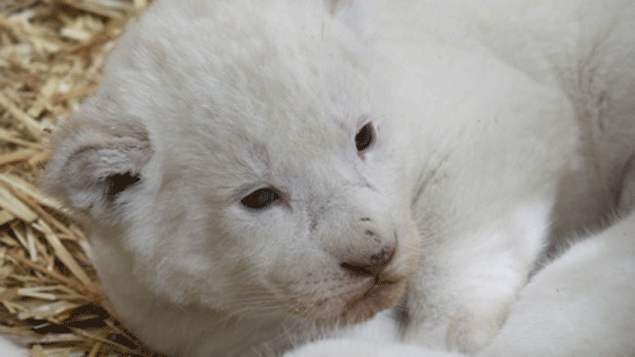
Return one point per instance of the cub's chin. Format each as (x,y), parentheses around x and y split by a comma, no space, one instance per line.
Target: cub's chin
(382,294)
(358,306)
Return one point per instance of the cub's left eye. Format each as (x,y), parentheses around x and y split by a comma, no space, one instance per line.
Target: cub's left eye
(365,137)
(260,199)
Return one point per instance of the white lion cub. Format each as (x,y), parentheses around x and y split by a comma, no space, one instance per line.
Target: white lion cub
(256,174)
(243,189)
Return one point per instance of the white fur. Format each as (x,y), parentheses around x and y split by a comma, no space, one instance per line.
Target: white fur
(495,120)
(8,349)
(523,107)
(580,305)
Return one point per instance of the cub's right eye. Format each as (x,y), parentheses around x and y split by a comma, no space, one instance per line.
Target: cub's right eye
(260,199)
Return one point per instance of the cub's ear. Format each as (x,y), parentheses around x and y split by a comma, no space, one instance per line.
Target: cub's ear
(91,164)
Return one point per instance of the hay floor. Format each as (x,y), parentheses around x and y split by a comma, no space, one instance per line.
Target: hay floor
(51,52)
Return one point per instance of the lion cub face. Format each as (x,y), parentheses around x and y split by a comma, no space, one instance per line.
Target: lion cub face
(239,163)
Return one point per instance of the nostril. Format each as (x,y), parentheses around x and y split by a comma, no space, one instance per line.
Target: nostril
(372,267)
(383,257)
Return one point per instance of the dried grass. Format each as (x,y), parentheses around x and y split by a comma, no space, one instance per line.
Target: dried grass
(51,52)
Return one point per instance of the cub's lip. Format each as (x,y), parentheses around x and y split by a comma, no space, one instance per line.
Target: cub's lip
(381,293)
(376,286)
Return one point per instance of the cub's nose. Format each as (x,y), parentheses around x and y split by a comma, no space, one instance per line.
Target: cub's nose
(370,266)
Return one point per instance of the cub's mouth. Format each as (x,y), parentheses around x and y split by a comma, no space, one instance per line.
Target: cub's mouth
(352,301)
(382,293)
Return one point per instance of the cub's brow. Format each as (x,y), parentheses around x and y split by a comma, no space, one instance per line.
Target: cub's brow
(260,154)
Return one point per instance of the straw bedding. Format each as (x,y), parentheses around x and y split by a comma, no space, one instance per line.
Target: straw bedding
(51,52)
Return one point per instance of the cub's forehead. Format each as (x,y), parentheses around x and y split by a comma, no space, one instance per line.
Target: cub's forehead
(229,160)
(257,86)
(238,58)
(221,68)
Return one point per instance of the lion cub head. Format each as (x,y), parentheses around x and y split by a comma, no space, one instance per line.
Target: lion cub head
(236,157)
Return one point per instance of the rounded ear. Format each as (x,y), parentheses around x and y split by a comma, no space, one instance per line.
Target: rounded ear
(92,164)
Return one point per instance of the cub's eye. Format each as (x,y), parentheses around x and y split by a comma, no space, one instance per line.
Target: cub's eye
(260,198)
(365,138)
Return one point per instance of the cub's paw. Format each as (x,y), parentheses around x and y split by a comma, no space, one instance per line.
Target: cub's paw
(470,330)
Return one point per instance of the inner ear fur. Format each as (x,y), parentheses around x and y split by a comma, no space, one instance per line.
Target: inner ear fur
(91,164)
